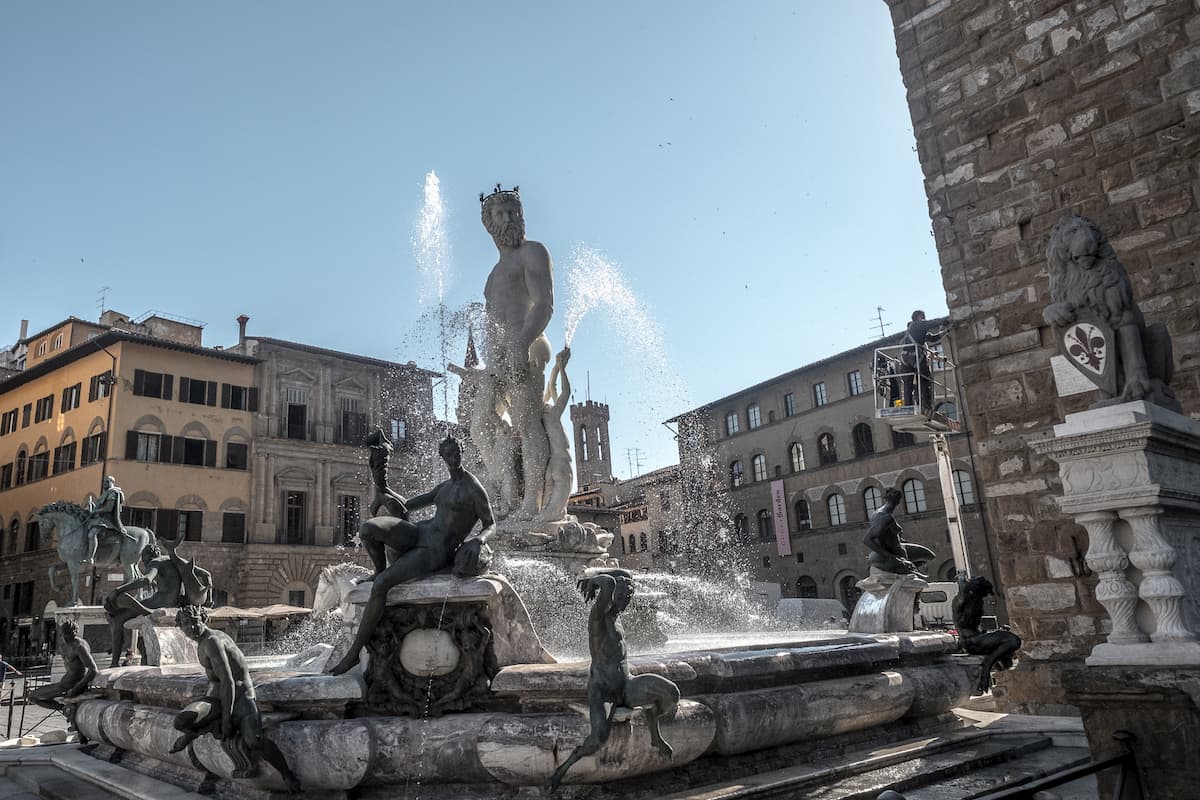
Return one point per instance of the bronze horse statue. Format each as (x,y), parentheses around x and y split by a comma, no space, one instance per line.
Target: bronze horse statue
(70,520)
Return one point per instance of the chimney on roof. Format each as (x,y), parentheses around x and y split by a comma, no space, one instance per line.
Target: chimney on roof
(242,320)
(24,330)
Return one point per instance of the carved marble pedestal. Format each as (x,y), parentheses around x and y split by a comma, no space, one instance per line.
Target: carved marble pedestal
(887,602)
(441,641)
(164,643)
(1131,477)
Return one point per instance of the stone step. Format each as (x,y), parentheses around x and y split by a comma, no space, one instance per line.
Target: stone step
(51,783)
(1022,770)
(862,776)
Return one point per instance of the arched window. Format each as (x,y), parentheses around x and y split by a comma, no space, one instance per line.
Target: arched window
(583,440)
(766,527)
(964,488)
(796,453)
(848,592)
(32,536)
(599,445)
(731,423)
(864,443)
(741,529)
(621,539)
(837,509)
(22,457)
(826,449)
(632,543)
(759,466)
(753,416)
(736,477)
(806,587)
(872,499)
(58,342)
(644,541)
(13,532)
(914,496)
(803,515)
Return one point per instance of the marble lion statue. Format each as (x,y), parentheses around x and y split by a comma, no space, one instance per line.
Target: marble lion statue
(1085,275)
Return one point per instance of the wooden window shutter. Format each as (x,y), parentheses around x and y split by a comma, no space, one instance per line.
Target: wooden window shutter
(139,381)
(185,388)
(254,398)
(168,383)
(212,393)
(164,449)
(131,439)
(225,392)
(210,453)
(177,456)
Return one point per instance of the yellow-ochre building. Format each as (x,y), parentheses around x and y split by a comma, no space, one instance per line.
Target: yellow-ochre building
(251,453)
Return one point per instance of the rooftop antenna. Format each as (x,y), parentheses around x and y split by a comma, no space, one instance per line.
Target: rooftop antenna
(101,297)
(634,457)
(878,321)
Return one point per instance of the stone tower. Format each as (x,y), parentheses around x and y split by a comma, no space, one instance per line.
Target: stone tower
(593,461)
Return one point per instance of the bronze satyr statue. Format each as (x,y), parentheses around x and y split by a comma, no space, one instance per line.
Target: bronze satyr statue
(80,669)
(228,711)
(426,547)
(1087,279)
(997,647)
(609,681)
(889,552)
(175,582)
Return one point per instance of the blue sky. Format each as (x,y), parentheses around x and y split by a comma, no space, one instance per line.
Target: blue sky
(749,167)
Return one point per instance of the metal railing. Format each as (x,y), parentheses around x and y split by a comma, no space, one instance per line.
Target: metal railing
(1128,785)
(18,714)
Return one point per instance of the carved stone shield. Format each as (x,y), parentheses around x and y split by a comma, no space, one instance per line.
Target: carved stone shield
(1089,344)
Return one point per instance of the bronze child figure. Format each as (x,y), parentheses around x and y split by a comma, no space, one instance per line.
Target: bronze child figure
(609,681)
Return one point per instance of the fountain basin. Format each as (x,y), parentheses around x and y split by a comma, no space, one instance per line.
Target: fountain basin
(736,701)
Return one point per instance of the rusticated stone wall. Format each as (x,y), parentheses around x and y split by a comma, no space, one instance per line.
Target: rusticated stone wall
(1022,110)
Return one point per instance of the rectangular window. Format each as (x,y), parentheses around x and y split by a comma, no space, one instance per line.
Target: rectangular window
(819,396)
(64,458)
(70,397)
(789,405)
(841,548)
(93,450)
(293,517)
(39,465)
(731,423)
(296,598)
(753,416)
(44,409)
(25,412)
(766,562)
(348,516)
(153,384)
(239,398)
(99,386)
(8,422)
(198,392)
(233,528)
(854,383)
(6,476)
(399,430)
(236,455)
(354,422)
(147,446)
(190,525)
(295,414)
(141,517)
(193,452)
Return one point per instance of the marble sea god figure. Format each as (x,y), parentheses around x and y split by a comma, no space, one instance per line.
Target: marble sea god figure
(228,711)
(889,551)
(94,535)
(609,681)
(518,304)
(78,670)
(173,581)
(426,547)
(560,474)
(1098,326)
(997,647)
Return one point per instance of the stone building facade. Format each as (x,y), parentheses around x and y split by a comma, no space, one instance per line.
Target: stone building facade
(814,431)
(1023,110)
(189,435)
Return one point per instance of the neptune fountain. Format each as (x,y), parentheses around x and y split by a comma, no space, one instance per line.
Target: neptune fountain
(447,690)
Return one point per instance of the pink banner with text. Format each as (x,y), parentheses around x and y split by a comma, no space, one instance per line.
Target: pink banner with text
(779,512)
